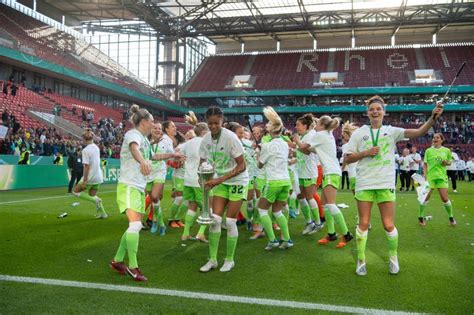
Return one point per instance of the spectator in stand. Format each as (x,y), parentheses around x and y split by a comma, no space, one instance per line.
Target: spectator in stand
(5,117)
(5,89)
(23,79)
(84,116)
(452,171)
(14,88)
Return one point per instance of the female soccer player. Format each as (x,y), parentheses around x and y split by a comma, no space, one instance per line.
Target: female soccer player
(92,174)
(324,144)
(179,206)
(193,193)
(373,148)
(224,151)
(347,131)
(307,166)
(274,159)
(434,170)
(134,167)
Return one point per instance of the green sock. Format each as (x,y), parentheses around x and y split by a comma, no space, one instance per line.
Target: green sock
(286,213)
(174,211)
(283,224)
(160,217)
(361,241)
(202,229)
(329,221)
(231,246)
(214,244)
(421,211)
(182,210)
(122,250)
(449,208)
(341,222)
(188,222)
(132,249)
(267,225)
(306,213)
(156,211)
(292,203)
(315,212)
(392,238)
(84,195)
(249,210)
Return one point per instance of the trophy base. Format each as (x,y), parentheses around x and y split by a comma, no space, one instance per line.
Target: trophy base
(205,220)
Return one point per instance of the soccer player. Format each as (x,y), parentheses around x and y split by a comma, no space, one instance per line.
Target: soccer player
(434,170)
(347,131)
(224,151)
(324,144)
(92,175)
(193,193)
(415,167)
(134,167)
(179,206)
(274,159)
(373,148)
(307,168)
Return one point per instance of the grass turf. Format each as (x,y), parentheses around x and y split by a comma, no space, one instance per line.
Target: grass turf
(436,261)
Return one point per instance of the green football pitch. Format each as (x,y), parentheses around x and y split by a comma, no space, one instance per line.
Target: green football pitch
(61,265)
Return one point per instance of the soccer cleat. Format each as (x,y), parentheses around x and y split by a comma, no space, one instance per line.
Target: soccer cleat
(421,221)
(185,238)
(308,228)
(393,266)
(201,238)
(257,235)
(98,203)
(361,269)
(174,225)
(120,267)
(276,227)
(328,238)
(316,228)
(455,191)
(292,214)
(272,244)
(179,223)
(101,216)
(227,266)
(344,240)
(286,244)
(208,266)
(154,227)
(162,230)
(136,274)
(452,221)
(249,225)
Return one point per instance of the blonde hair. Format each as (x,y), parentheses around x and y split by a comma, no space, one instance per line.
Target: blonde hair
(88,135)
(274,125)
(199,127)
(329,123)
(347,130)
(138,114)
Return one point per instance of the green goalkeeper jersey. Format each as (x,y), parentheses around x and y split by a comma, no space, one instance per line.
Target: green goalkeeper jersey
(433,159)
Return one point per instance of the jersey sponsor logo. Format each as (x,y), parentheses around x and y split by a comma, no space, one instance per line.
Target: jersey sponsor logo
(365,138)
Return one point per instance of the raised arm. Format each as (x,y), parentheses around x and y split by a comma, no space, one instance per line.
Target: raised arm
(414,133)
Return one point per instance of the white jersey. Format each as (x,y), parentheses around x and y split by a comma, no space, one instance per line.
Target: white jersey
(415,166)
(221,153)
(249,155)
(461,165)
(405,162)
(158,168)
(470,166)
(129,168)
(91,157)
(351,168)
(274,156)
(376,172)
(307,165)
(179,172)
(324,144)
(191,150)
(453,166)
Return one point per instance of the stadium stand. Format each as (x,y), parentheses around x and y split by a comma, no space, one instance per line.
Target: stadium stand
(358,68)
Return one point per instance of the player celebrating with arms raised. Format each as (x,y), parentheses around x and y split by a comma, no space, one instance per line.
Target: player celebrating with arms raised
(373,147)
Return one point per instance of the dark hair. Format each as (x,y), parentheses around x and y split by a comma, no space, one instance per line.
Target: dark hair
(233,126)
(375,99)
(214,111)
(179,138)
(166,125)
(307,120)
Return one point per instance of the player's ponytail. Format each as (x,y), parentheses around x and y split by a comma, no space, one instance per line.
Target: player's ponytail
(329,123)
(88,135)
(138,114)
(274,125)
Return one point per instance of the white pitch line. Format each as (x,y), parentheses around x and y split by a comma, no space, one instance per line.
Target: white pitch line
(199,295)
(47,198)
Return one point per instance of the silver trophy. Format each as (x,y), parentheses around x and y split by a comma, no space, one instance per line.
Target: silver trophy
(205,172)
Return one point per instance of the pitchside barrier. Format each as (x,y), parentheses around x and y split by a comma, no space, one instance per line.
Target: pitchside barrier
(42,173)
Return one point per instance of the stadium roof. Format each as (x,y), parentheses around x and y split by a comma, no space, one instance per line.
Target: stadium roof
(240,20)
